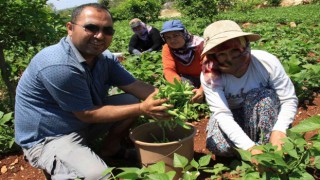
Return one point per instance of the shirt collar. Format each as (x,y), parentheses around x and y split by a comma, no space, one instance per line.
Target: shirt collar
(75,50)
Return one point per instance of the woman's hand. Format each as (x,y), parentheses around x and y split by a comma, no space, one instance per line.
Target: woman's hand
(198,95)
(275,139)
(254,151)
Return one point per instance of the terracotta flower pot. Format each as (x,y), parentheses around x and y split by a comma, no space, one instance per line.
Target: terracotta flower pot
(180,141)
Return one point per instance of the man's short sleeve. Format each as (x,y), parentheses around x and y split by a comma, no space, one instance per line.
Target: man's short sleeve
(117,74)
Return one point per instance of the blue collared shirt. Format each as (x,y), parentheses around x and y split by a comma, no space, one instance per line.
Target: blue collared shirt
(58,82)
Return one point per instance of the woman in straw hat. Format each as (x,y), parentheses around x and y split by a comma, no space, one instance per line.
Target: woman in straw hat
(181,56)
(251,97)
(145,38)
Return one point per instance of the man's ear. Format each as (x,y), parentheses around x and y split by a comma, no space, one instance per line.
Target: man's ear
(69,26)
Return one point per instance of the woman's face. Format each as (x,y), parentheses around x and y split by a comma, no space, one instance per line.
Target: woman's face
(231,57)
(174,39)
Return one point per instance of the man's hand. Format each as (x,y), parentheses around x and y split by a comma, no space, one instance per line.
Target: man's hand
(198,95)
(153,107)
(275,139)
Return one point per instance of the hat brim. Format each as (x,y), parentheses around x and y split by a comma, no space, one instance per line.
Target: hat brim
(215,41)
(135,25)
(171,29)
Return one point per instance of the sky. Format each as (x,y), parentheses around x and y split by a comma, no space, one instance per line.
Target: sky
(64,4)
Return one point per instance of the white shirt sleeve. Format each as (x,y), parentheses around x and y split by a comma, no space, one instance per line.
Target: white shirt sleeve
(284,88)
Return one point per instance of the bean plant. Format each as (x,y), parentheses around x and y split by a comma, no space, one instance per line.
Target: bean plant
(298,159)
(179,95)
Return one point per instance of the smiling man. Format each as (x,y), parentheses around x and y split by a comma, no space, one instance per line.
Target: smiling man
(62,100)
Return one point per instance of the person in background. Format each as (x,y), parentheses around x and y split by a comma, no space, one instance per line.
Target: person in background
(62,102)
(145,38)
(181,56)
(251,97)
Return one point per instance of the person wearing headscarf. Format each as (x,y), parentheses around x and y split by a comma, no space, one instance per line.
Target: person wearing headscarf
(251,97)
(181,56)
(145,38)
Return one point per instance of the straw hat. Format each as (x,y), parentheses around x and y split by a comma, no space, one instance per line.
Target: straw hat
(135,22)
(222,31)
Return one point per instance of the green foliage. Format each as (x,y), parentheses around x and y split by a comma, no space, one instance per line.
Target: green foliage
(24,26)
(147,67)
(275,15)
(309,124)
(306,77)
(246,5)
(6,133)
(155,172)
(179,95)
(30,21)
(295,157)
(121,38)
(291,162)
(198,8)
(145,10)
(28,26)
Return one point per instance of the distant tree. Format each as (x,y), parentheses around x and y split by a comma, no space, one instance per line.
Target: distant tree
(105,2)
(24,24)
(146,10)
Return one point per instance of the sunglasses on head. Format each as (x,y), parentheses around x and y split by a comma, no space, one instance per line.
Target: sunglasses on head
(94,29)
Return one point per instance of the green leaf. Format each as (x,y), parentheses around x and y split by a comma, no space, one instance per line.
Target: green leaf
(299,175)
(316,145)
(194,164)
(7,117)
(306,125)
(288,145)
(179,161)
(159,167)
(293,153)
(300,143)
(269,159)
(205,160)
(162,176)
(107,171)
(252,176)
(317,162)
(133,169)
(245,155)
(171,174)
(127,175)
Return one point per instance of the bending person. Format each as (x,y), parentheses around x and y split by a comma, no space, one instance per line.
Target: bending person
(251,97)
(145,38)
(181,56)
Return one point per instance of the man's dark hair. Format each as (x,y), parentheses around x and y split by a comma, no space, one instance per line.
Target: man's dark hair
(77,11)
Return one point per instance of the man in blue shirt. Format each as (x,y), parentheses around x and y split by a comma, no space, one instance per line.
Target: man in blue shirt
(62,100)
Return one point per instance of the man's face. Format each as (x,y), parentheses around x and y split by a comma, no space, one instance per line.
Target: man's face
(88,33)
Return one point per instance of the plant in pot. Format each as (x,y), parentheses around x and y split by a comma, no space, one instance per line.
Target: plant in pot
(158,140)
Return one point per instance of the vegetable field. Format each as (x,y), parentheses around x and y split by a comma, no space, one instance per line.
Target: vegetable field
(290,33)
